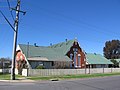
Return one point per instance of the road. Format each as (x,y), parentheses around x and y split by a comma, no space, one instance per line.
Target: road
(103,83)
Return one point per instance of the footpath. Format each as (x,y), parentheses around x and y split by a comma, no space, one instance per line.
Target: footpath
(19,80)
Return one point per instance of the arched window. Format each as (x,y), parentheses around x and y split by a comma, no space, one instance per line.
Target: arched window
(79,60)
(71,56)
(75,50)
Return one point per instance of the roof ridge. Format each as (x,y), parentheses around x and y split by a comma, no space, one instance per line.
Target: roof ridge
(32,45)
(51,45)
(60,44)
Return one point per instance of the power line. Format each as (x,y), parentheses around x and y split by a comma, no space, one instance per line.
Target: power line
(10,10)
(7,20)
(3,6)
(5,1)
(90,26)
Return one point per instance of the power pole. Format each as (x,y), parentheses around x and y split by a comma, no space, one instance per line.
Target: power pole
(15,40)
(15,29)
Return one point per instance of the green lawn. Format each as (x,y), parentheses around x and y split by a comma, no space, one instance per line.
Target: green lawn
(7,76)
(4,76)
(72,76)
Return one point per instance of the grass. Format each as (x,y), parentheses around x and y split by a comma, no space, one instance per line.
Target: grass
(4,76)
(8,76)
(72,76)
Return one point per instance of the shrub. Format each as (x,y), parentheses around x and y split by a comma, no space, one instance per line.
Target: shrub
(40,67)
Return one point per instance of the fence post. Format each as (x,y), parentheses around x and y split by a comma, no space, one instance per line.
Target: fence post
(27,71)
(89,68)
(85,70)
(111,69)
(103,69)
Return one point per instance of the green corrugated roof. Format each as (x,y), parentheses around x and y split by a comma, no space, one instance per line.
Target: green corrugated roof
(63,47)
(56,52)
(97,59)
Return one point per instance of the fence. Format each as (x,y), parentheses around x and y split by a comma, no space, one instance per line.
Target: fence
(8,70)
(54,72)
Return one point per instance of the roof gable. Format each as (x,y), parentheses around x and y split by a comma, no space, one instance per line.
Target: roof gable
(63,47)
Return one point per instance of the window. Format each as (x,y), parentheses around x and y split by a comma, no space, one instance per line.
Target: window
(75,49)
(71,56)
(40,63)
(52,63)
(79,60)
(75,53)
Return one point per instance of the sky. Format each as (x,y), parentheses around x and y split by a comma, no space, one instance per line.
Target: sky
(92,22)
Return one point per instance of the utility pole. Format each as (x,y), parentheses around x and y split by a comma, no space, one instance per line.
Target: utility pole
(15,40)
(15,29)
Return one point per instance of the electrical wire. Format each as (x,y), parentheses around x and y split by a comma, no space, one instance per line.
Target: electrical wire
(7,20)
(87,25)
(10,10)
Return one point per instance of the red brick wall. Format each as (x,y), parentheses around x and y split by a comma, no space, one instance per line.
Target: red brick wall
(82,62)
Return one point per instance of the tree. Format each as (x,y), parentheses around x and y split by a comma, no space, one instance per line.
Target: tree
(112,49)
(115,63)
(20,65)
(20,62)
(5,62)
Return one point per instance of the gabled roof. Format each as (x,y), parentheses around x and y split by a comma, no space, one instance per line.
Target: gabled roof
(63,47)
(97,59)
(56,52)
